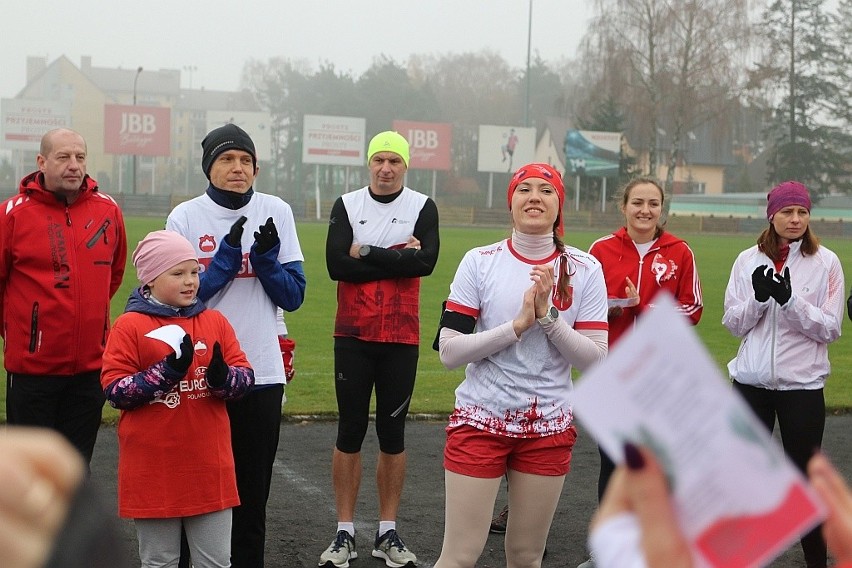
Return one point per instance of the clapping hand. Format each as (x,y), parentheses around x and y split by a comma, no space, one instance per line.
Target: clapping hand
(266,237)
(235,235)
(181,364)
(762,282)
(780,287)
(217,369)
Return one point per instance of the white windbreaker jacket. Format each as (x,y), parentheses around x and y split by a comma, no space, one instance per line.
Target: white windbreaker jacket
(785,347)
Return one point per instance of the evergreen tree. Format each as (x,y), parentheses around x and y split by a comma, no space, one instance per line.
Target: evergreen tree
(803,74)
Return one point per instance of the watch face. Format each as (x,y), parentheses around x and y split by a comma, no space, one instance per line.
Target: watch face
(554,313)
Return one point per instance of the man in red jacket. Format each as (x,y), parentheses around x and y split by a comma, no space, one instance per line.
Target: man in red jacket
(62,255)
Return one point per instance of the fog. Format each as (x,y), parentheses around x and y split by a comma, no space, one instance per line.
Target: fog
(210,41)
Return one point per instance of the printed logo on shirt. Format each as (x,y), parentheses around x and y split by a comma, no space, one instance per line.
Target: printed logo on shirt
(246,270)
(58,254)
(398,221)
(362,222)
(207,243)
(491,251)
(663,269)
(171,399)
(200,347)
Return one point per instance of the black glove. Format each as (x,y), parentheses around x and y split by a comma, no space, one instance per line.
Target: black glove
(236,234)
(217,370)
(181,364)
(266,237)
(781,288)
(849,306)
(761,281)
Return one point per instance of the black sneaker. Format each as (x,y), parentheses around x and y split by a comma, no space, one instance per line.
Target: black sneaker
(498,523)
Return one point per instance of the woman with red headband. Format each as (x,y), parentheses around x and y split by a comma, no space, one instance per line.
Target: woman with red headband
(785,300)
(521,313)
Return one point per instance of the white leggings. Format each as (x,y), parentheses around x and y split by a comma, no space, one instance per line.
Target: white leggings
(208,535)
(470,504)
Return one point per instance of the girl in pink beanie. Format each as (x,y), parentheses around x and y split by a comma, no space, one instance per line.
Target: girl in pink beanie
(169,366)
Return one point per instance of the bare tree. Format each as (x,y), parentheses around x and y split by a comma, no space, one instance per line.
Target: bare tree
(671,64)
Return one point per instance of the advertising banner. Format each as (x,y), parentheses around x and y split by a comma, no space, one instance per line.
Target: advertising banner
(430,142)
(334,140)
(592,153)
(256,124)
(137,130)
(503,149)
(24,121)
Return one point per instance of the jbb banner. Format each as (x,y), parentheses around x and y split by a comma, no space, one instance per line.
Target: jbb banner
(430,143)
(139,130)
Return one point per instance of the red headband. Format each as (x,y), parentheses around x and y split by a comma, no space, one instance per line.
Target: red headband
(545,172)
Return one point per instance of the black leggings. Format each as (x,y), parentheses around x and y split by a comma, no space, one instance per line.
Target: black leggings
(801,422)
(358,366)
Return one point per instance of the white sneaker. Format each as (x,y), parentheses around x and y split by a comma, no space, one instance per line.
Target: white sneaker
(393,551)
(339,552)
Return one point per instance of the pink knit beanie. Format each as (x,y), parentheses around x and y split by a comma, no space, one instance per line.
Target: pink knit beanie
(786,194)
(159,251)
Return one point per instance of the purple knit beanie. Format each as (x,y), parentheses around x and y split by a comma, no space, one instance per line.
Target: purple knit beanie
(786,194)
(160,251)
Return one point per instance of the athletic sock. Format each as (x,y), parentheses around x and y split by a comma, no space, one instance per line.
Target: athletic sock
(385,526)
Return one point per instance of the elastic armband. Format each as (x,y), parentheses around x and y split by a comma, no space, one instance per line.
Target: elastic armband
(454,320)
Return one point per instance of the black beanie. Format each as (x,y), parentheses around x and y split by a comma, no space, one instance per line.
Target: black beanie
(218,140)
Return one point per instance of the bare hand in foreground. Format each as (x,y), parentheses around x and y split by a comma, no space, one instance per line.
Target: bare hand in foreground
(39,474)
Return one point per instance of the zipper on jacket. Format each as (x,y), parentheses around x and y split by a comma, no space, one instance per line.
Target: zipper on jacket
(102,231)
(67,216)
(34,328)
(774,379)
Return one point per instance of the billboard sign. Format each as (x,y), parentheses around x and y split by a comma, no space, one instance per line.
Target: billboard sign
(137,130)
(592,153)
(26,121)
(334,140)
(504,149)
(258,125)
(430,142)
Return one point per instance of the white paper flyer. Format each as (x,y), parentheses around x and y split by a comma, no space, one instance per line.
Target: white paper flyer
(739,500)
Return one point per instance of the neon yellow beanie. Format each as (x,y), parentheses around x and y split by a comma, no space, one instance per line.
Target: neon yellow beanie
(388,141)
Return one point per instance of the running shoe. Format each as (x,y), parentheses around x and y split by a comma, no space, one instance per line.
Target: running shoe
(498,523)
(339,552)
(394,552)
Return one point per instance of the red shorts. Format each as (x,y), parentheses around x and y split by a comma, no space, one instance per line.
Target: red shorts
(477,453)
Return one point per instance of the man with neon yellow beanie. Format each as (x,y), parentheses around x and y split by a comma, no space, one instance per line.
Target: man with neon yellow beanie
(381,240)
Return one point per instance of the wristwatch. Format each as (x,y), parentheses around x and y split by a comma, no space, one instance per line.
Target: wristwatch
(364,250)
(550,317)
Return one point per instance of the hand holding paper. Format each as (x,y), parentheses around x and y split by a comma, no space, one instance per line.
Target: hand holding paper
(739,501)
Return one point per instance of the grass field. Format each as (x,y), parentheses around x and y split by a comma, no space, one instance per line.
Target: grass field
(312,391)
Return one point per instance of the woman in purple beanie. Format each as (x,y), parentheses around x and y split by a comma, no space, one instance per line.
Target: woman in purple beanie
(785,301)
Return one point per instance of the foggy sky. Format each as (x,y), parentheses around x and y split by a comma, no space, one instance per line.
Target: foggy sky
(218,36)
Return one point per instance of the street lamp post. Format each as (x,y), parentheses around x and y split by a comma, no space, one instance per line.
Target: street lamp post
(529,45)
(135,81)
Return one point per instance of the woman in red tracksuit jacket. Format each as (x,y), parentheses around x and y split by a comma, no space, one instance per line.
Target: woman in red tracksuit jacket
(639,260)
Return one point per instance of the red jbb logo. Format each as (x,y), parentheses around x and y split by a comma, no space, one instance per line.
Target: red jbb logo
(136,123)
(426,139)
